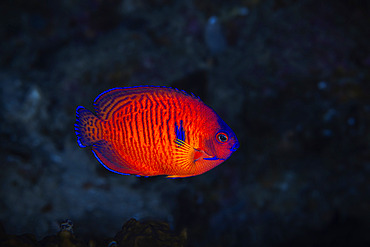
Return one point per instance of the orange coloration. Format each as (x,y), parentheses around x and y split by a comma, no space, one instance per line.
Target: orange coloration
(151,131)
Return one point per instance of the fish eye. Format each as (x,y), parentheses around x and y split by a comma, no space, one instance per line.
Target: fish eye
(222,137)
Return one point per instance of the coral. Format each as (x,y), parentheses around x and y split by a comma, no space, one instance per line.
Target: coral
(133,233)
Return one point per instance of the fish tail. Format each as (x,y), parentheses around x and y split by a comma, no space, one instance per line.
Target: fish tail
(87,127)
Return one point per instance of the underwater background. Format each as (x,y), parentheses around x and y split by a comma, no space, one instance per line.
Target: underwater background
(291,78)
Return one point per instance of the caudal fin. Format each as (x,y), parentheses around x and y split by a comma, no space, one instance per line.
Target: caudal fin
(87,127)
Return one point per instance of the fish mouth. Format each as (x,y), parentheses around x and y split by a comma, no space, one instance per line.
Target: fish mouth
(235,147)
(206,156)
(213,158)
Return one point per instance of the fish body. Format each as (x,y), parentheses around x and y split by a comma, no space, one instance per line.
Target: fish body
(149,131)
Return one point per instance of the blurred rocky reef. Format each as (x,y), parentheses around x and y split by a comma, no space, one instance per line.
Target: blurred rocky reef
(291,78)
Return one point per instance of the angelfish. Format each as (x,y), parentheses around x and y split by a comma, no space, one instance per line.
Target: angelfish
(150,131)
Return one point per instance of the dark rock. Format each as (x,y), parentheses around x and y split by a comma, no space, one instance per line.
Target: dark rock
(150,234)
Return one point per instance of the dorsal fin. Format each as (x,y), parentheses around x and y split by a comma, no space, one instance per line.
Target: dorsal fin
(111,100)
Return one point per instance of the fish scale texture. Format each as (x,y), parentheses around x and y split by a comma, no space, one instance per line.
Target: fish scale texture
(137,129)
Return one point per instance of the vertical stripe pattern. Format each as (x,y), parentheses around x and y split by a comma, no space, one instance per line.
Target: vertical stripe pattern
(138,127)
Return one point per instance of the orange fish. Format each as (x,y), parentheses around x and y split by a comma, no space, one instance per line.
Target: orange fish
(149,131)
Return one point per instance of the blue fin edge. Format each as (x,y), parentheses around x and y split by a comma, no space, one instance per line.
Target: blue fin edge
(106,167)
(78,127)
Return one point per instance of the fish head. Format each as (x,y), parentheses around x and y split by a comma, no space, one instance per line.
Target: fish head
(219,142)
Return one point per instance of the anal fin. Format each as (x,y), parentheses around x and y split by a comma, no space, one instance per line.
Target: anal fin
(112,161)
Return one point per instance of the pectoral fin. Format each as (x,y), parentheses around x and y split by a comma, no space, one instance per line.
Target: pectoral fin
(184,155)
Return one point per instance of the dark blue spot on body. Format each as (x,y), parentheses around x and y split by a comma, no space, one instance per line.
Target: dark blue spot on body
(180,132)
